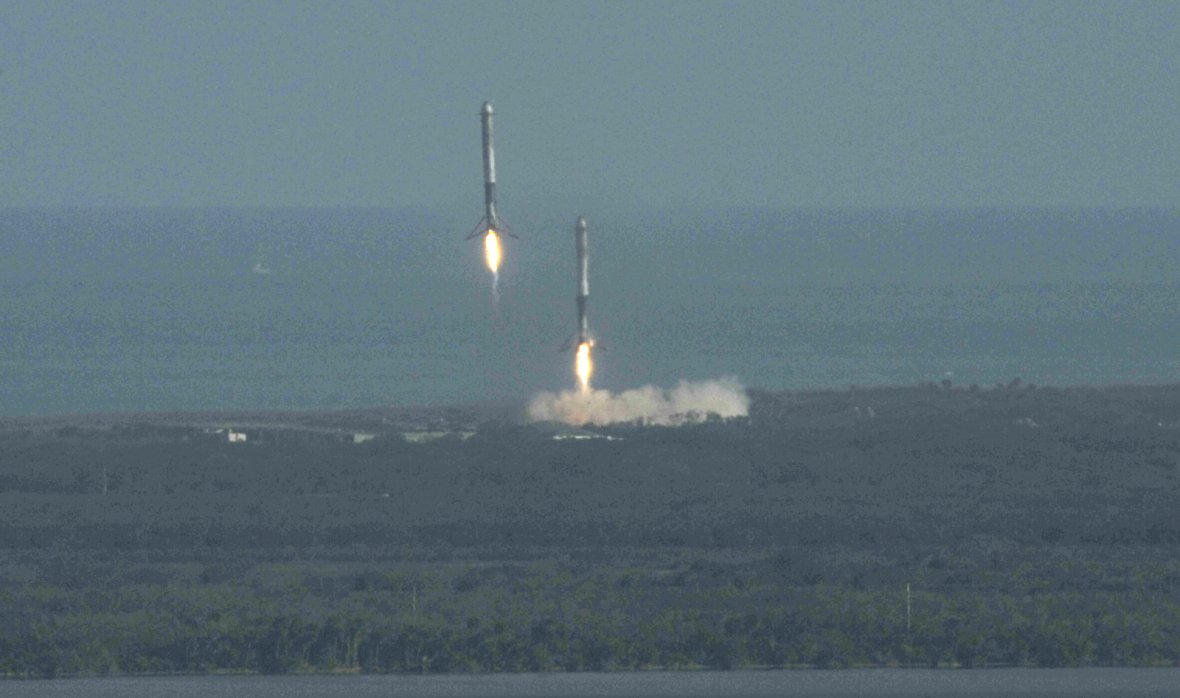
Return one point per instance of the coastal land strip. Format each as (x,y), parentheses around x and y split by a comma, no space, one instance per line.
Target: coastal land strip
(929,525)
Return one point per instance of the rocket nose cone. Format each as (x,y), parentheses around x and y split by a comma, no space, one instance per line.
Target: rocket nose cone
(487,109)
(581,224)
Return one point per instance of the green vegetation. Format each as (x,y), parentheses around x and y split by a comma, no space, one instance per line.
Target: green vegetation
(1032,526)
(284,617)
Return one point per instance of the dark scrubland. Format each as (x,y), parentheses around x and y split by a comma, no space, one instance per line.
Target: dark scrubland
(1031,526)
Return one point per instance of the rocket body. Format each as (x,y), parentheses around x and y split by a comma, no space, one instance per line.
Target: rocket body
(491,221)
(580,241)
(489,168)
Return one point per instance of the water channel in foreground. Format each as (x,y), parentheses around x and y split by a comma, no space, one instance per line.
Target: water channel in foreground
(743,684)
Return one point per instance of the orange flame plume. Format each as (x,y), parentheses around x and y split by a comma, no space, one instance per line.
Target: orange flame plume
(583,366)
(491,244)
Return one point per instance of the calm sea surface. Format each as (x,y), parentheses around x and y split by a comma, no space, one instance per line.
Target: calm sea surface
(154,309)
(865,682)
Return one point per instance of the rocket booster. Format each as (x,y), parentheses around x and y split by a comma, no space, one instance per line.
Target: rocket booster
(491,221)
(581,243)
(489,167)
(583,334)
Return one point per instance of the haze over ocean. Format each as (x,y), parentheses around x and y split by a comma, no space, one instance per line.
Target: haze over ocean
(789,194)
(159,309)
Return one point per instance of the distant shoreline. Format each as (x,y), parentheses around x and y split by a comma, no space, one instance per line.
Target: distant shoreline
(506,410)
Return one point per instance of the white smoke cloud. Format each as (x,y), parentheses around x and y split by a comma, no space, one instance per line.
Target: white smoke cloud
(686,403)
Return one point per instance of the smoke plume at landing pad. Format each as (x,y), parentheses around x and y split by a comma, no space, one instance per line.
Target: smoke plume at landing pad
(686,403)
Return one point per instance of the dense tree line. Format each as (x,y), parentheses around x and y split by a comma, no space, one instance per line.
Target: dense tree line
(561,618)
(1034,526)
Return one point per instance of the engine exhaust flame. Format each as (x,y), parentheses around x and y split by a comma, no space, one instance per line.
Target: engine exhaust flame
(493,254)
(491,245)
(583,366)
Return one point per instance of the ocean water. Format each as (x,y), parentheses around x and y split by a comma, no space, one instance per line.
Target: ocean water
(980,683)
(162,309)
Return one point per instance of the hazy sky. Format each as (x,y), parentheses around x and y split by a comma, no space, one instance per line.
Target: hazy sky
(635,103)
